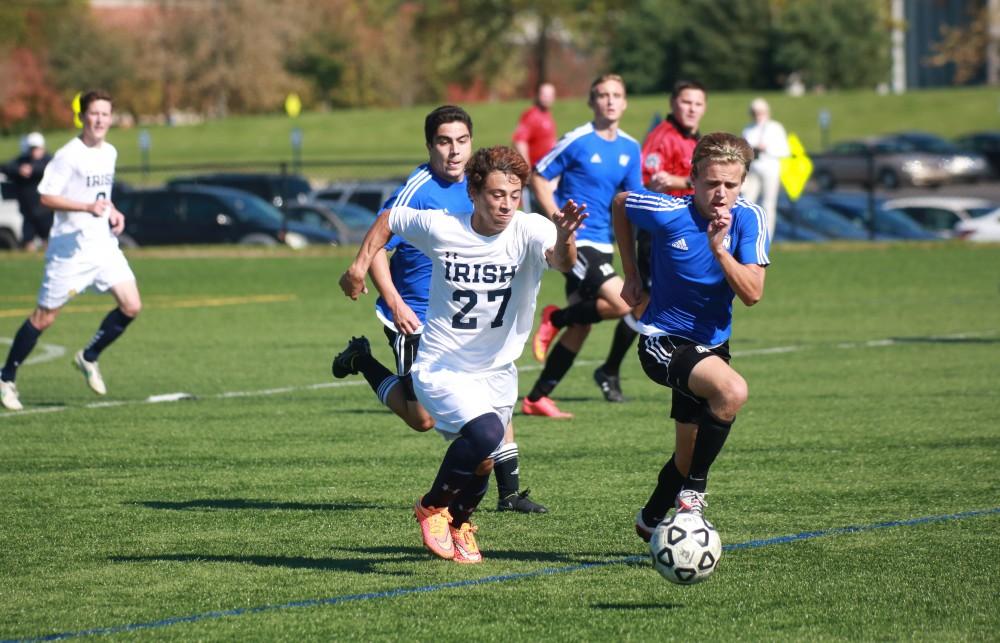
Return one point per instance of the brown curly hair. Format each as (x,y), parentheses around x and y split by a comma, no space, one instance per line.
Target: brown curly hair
(499,158)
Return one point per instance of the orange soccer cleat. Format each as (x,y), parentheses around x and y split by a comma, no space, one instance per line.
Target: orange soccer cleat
(435,528)
(466,549)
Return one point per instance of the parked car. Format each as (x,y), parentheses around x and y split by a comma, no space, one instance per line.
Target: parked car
(982,228)
(350,221)
(895,164)
(785,231)
(888,223)
(371,195)
(939,214)
(810,212)
(985,143)
(197,214)
(10,217)
(278,189)
(962,166)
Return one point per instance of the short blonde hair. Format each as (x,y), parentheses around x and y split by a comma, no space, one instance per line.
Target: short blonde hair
(603,79)
(721,147)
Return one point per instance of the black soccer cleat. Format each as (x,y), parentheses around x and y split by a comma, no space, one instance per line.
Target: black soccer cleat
(343,363)
(611,386)
(520,502)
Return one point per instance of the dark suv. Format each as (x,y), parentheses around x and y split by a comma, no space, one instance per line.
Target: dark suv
(277,189)
(194,214)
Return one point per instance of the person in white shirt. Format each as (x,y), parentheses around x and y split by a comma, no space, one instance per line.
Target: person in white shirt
(83,247)
(486,273)
(769,141)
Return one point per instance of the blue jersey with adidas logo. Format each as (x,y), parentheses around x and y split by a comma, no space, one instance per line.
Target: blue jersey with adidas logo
(410,268)
(592,170)
(690,296)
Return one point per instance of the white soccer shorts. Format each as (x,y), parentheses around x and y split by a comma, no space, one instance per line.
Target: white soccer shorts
(67,276)
(453,398)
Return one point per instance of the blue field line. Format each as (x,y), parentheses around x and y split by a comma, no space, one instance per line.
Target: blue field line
(548,571)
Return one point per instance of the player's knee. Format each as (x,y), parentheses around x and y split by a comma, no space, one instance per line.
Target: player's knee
(131,308)
(42,318)
(421,424)
(484,433)
(485,467)
(733,395)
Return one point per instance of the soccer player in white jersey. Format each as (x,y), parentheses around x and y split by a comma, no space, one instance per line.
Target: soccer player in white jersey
(404,285)
(83,247)
(487,270)
(706,249)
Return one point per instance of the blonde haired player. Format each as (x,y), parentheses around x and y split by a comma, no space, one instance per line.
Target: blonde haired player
(487,267)
(83,247)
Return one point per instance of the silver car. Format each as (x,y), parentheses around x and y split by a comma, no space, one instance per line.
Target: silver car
(883,162)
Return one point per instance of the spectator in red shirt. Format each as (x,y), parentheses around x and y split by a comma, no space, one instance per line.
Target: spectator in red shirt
(536,129)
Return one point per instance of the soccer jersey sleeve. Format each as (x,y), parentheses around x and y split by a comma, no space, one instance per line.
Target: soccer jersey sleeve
(633,175)
(56,177)
(749,233)
(643,208)
(414,226)
(555,162)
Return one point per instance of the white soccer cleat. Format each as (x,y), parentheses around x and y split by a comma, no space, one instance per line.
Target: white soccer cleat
(689,501)
(9,397)
(90,373)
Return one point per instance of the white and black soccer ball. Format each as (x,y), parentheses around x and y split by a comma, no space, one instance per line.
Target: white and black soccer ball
(685,548)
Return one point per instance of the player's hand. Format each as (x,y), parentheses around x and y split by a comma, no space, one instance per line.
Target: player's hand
(101,208)
(116,220)
(717,230)
(632,290)
(659,182)
(405,319)
(24,169)
(353,284)
(570,217)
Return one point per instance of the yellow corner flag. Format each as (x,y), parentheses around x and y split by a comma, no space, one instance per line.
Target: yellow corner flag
(76,111)
(293,105)
(795,169)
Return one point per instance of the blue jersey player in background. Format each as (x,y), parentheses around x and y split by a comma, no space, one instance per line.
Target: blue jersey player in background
(592,163)
(707,248)
(403,282)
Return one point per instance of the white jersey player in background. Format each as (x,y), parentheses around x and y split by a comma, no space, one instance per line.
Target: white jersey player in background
(487,270)
(83,247)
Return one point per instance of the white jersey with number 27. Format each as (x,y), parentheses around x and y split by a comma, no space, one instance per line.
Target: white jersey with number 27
(483,289)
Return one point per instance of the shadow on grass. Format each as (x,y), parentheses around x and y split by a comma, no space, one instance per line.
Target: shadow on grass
(946,340)
(488,554)
(635,607)
(244,503)
(356,565)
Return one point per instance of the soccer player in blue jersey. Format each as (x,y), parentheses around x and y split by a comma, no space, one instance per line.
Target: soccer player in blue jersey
(592,163)
(404,283)
(707,248)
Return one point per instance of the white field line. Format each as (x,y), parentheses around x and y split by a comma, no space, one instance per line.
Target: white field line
(181,396)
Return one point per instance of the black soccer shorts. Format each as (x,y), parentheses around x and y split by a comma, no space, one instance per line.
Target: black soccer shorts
(668,360)
(591,270)
(404,349)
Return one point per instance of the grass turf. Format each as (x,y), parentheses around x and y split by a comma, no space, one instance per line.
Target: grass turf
(880,406)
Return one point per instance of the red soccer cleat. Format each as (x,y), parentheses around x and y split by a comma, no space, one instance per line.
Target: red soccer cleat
(543,407)
(545,334)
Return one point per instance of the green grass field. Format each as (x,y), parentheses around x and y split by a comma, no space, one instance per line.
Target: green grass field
(276,505)
(349,136)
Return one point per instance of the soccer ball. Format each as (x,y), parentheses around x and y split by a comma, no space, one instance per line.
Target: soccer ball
(685,548)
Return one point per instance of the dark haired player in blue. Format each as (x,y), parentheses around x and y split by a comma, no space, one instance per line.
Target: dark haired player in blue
(593,163)
(404,285)
(707,248)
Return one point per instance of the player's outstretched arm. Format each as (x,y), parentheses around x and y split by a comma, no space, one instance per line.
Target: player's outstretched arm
(562,256)
(352,282)
(403,316)
(543,194)
(632,287)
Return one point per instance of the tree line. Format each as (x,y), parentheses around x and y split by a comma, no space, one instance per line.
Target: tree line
(219,57)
